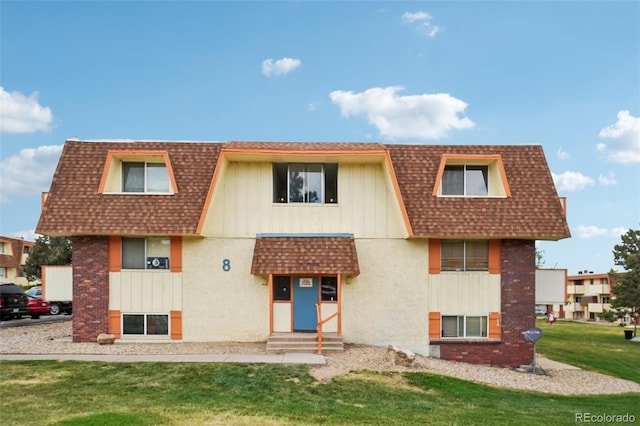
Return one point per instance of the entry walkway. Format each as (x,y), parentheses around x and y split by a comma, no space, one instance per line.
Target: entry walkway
(287,358)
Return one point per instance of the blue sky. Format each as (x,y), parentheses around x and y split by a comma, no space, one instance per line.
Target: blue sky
(562,74)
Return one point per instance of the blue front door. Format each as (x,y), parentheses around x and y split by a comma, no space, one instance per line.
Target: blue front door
(305,297)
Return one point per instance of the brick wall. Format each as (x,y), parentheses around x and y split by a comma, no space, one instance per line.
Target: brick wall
(90,288)
(517,306)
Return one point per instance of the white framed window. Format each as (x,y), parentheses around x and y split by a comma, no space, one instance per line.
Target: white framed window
(464,255)
(463,326)
(144,324)
(3,272)
(146,253)
(305,183)
(141,177)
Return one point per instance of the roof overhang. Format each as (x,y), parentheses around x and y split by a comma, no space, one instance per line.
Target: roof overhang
(305,254)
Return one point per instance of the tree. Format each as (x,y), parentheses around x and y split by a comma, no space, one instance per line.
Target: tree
(539,258)
(47,251)
(627,285)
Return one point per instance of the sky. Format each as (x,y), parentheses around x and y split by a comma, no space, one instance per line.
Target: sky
(561,74)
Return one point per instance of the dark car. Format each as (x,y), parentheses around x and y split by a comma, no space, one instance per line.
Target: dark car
(13,302)
(38,307)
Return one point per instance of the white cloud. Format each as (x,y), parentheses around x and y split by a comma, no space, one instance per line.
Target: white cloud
(427,116)
(571,181)
(22,114)
(279,67)
(590,231)
(422,23)
(416,16)
(29,235)
(609,179)
(28,172)
(624,134)
(563,155)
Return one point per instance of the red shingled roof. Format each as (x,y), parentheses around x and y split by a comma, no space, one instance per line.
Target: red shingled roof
(74,206)
(533,211)
(305,255)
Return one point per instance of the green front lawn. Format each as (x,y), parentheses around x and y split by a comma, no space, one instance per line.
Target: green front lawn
(84,393)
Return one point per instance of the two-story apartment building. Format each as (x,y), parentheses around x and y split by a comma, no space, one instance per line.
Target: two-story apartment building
(13,256)
(588,296)
(427,247)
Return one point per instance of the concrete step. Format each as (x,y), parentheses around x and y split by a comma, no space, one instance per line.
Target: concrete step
(304,343)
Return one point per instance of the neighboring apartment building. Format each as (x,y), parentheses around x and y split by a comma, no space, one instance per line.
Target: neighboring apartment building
(428,247)
(13,256)
(588,296)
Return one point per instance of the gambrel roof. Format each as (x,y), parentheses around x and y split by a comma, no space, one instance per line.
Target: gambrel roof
(75,206)
(533,211)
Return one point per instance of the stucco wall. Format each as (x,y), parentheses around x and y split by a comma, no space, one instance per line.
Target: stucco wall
(221,305)
(387,303)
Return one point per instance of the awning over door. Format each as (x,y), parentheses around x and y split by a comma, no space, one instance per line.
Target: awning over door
(305,255)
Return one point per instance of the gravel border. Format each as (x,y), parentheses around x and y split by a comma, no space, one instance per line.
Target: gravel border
(55,338)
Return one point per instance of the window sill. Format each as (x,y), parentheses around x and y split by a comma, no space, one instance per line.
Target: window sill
(464,341)
(137,193)
(307,204)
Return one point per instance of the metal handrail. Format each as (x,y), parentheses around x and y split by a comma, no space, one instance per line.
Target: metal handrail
(321,323)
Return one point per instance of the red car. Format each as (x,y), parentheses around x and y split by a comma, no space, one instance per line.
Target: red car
(38,307)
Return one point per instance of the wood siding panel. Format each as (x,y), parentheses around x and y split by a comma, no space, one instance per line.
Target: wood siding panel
(145,291)
(242,205)
(464,293)
(282,320)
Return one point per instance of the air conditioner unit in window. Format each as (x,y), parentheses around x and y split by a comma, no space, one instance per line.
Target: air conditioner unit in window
(157,263)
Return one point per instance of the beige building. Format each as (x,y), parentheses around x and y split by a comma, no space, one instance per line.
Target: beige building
(428,247)
(588,296)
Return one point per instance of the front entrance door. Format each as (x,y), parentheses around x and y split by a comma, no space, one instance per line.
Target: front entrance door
(305,297)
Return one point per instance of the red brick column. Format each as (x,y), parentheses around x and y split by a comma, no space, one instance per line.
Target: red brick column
(90,287)
(518,300)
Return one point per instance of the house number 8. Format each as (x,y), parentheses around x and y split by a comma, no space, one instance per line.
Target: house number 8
(226,265)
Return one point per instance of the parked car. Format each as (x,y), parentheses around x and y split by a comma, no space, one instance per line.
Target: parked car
(13,302)
(38,307)
(57,307)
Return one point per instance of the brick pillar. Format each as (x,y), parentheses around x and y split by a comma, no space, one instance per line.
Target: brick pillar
(518,300)
(90,287)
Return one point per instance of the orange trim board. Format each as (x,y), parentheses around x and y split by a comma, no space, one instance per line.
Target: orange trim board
(459,159)
(176,325)
(131,154)
(115,250)
(114,323)
(176,254)
(434,325)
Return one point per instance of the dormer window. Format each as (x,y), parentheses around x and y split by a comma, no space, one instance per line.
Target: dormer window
(471,176)
(138,172)
(145,177)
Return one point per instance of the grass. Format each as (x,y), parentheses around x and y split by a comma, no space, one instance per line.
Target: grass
(83,393)
(595,347)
